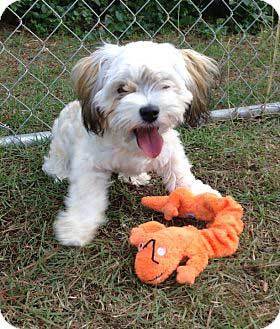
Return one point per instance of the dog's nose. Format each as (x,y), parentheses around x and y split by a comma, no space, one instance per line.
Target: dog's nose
(149,113)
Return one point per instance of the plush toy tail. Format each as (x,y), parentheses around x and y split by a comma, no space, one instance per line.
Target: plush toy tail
(222,235)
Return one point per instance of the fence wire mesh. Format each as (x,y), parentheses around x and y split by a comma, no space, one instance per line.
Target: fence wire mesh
(36,59)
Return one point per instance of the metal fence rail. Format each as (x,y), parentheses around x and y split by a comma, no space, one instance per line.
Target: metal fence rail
(35,66)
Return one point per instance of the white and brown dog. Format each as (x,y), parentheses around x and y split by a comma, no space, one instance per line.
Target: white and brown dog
(130,100)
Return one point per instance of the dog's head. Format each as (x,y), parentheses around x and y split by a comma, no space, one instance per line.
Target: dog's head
(142,89)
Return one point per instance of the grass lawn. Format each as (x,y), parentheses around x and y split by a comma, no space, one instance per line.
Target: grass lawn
(45,285)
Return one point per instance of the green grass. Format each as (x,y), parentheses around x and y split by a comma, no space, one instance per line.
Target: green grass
(44,285)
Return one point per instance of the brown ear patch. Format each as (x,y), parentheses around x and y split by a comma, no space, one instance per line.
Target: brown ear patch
(203,71)
(93,119)
(84,76)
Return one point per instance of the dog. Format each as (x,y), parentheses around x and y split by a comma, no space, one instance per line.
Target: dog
(130,99)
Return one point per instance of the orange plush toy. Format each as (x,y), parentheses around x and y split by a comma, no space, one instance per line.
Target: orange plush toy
(161,249)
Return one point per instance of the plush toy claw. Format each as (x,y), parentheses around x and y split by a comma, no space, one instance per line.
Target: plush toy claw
(160,203)
(185,274)
(170,205)
(161,250)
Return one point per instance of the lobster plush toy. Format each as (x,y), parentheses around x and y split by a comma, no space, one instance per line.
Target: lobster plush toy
(161,250)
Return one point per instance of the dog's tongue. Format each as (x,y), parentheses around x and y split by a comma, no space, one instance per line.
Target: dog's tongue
(149,141)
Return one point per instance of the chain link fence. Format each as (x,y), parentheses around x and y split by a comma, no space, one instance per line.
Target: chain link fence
(41,41)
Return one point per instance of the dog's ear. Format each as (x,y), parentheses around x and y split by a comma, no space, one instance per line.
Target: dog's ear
(204,72)
(88,78)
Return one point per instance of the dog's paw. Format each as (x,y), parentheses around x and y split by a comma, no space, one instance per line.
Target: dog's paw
(199,188)
(72,232)
(142,179)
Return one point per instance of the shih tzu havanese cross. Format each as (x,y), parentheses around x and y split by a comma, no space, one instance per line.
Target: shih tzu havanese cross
(130,100)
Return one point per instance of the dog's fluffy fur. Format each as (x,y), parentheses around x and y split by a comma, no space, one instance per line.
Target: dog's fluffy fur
(94,136)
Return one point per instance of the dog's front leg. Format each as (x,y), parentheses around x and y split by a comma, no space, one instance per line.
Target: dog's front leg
(175,169)
(85,206)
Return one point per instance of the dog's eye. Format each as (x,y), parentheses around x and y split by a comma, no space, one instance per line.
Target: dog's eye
(165,87)
(161,251)
(121,89)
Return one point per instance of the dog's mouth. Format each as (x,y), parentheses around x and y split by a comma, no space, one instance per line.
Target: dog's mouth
(149,140)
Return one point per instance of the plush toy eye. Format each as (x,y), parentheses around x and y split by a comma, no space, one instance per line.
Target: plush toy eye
(161,251)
